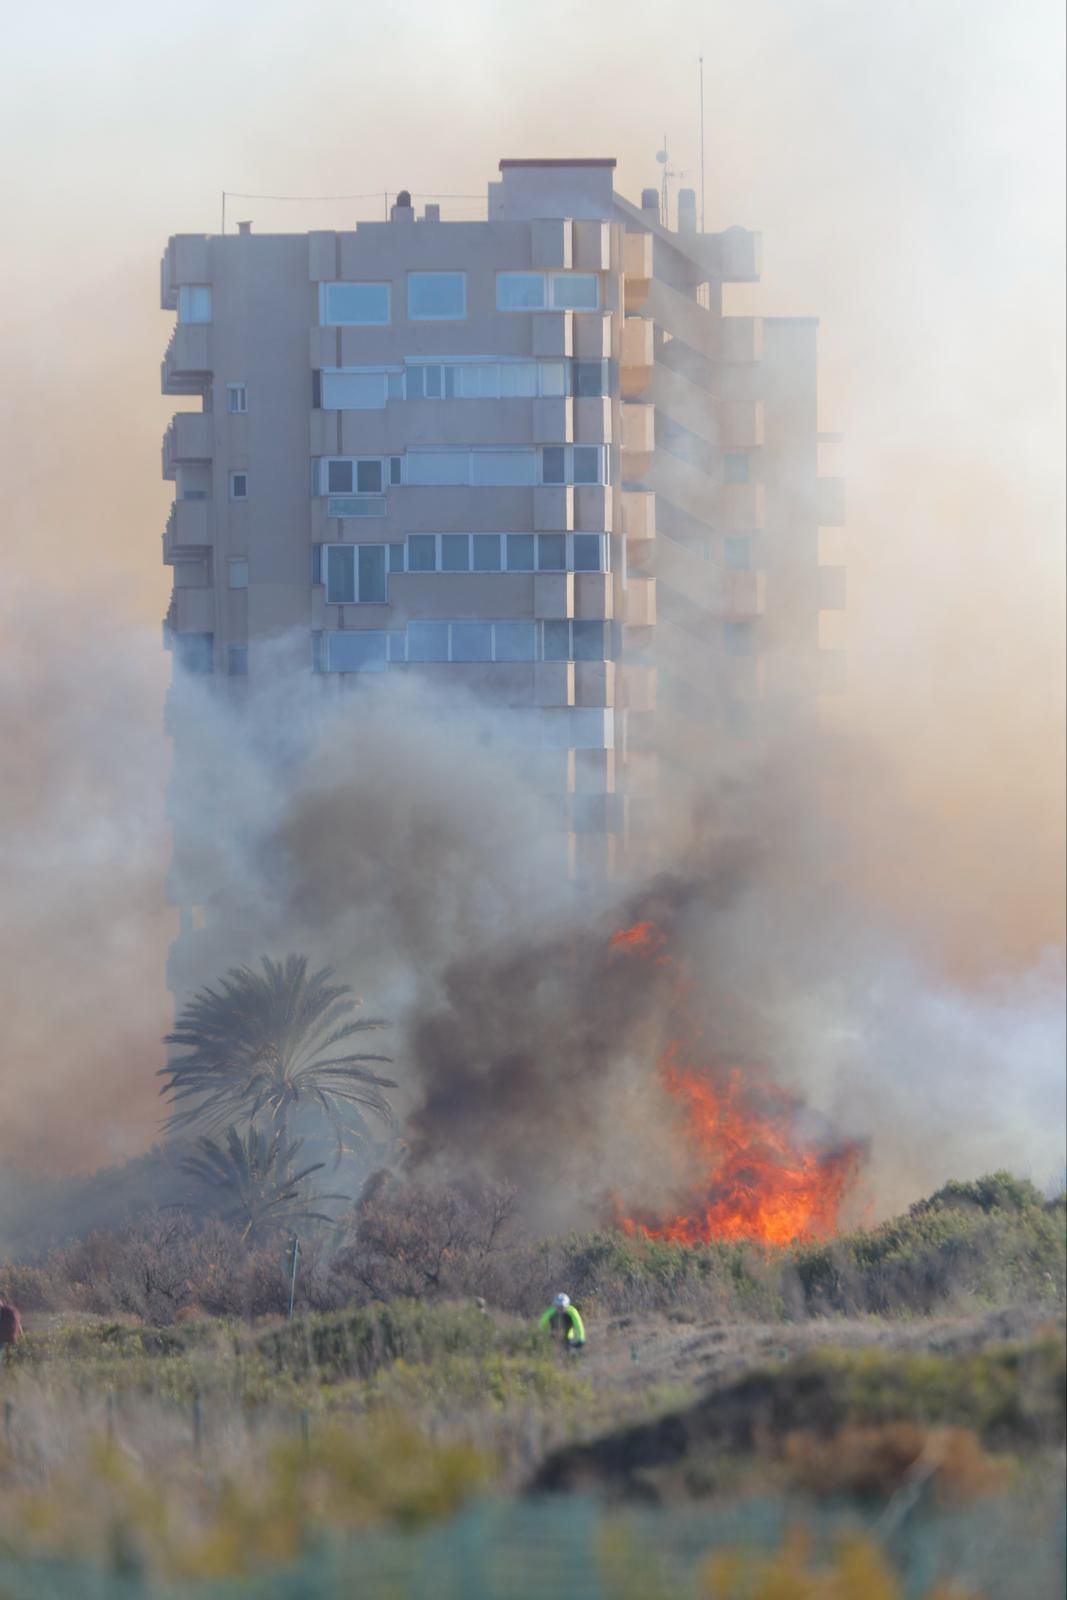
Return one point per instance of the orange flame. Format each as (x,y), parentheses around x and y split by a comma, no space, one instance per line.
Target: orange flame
(762,1180)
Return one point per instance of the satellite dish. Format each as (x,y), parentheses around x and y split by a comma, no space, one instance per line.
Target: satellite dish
(661,157)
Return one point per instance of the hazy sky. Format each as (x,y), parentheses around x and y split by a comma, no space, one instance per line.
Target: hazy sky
(904,164)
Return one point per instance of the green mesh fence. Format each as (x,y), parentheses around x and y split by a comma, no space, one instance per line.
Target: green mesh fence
(575,1550)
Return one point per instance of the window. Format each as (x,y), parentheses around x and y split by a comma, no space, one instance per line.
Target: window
(195,652)
(239,572)
(438,466)
(437,296)
(238,485)
(353,390)
(520,552)
(573,463)
(551,552)
(486,552)
(455,552)
(194,302)
(422,552)
(587,463)
(354,305)
(236,398)
(396,556)
(354,573)
(427,641)
(472,641)
(356,651)
(503,468)
(736,466)
(357,475)
(574,291)
(483,380)
(541,291)
(588,641)
(737,638)
(237,660)
(589,379)
(556,641)
(587,552)
(738,552)
(515,641)
(520,291)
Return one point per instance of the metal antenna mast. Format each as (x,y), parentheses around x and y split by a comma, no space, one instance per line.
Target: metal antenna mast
(702,144)
(665,193)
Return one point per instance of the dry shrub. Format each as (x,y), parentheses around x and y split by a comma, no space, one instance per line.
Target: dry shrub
(876,1462)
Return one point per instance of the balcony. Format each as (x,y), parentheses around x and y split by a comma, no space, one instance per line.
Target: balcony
(637,686)
(187,363)
(832,588)
(746,594)
(592,335)
(553,509)
(638,430)
(638,514)
(553,419)
(553,334)
(638,354)
(593,596)
(639,603)
(594,683)
(592,508)
(592,245)
(592,420)
(739,507)
(185,260)
(193,610)
(553,596)
(637,268)
(741,424)
(740,339)
(190,437)
(830,502)
(554,683)
(188,530)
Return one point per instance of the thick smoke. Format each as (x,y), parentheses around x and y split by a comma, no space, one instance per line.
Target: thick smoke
(402,841)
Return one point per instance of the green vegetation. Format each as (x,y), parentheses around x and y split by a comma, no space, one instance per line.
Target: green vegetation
(268,1042)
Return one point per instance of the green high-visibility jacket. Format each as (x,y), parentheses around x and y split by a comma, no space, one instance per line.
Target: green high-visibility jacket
(576,1331)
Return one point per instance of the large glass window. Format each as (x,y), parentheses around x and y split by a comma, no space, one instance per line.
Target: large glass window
(194,302)
(195,652)
(520,552)
(587,552)
(437,296)
(553,464)
(369,477)
(472,641)
(340,476)
(340,573)
(504,467)
(371,561)
(556,641)
(515,641)
(354,304)
(575,291)
(356,651)
(433,467)
(486,552)
(573,463)
(422,552)
(353,391)
(427,641)
(590,379)
(455,552)
(736,466)
(588,641)
(587,462)
(520,291)
(551,552)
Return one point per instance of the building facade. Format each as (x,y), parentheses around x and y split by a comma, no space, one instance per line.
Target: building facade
(527,457)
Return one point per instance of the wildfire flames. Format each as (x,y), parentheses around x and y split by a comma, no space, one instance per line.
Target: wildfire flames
(763,1181)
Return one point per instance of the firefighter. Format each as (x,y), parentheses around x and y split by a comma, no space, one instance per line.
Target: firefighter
(563,1321)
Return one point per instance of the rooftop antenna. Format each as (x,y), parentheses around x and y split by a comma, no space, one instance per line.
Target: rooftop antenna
(701,144)
(665,194)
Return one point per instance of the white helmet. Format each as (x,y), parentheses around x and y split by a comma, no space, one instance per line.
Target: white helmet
(562,1300)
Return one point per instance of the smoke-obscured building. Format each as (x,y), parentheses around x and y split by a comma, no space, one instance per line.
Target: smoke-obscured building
(528,457)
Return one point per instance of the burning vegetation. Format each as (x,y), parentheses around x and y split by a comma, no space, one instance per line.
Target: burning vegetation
(765,1178)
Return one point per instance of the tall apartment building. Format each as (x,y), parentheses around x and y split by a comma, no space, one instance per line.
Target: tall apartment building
(528,457)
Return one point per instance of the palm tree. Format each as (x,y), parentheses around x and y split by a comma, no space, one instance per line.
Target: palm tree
(252,1183)
(268,1042)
